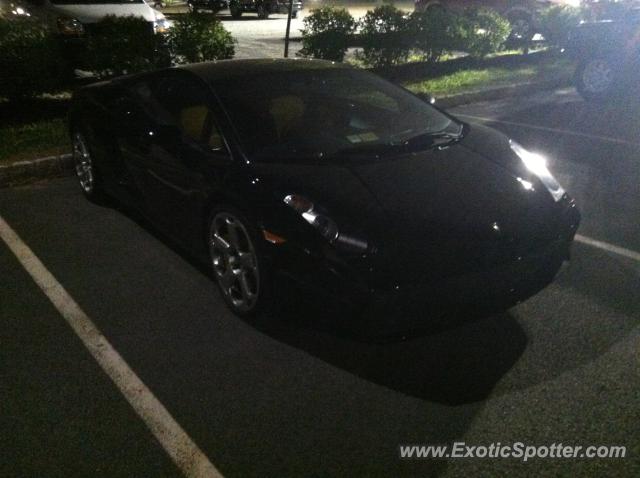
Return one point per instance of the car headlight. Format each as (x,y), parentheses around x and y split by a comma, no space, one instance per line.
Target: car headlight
(323,224)
(537,164)
(326,226)
(70,26)
(161,25)
(19,11)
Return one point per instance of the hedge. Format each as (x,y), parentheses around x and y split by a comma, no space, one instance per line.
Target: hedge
(197,37)
(327,32)
(385,37)
(388,36)
(31,61)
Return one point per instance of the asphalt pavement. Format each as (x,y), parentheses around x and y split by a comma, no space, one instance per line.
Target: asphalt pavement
(285,397)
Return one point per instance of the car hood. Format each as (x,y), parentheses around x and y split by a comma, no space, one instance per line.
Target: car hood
(95,13)
(442,208)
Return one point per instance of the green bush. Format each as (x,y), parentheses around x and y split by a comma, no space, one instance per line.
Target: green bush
(484,32)
(122,45)
(31,62)
(556,22)
(326,33)
(385,37)
(197,37)
(436,32)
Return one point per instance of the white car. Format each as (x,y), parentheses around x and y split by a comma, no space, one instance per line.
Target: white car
(72,18)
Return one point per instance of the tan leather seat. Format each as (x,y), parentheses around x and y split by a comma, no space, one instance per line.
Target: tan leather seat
(287,111)
(192,121)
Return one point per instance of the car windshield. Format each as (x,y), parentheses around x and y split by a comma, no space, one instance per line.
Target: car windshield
(323,113)
(94,2)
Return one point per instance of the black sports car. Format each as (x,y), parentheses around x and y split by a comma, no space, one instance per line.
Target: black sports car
(322,176)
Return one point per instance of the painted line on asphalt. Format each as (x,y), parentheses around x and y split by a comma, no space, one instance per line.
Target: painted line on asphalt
(609,139)
(605,246)
(178,445)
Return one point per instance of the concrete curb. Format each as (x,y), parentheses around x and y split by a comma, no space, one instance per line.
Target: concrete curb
(509,91)
(26,171)
(53,166)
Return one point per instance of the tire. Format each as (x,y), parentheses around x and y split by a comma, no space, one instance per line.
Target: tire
(425,5)
(87,173)
(263,13)
(235,11)
(596,78)
(238,261)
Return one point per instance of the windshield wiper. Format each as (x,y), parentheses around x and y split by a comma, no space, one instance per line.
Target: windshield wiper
(417,143)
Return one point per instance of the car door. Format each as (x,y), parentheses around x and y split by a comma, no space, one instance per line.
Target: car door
(184,152)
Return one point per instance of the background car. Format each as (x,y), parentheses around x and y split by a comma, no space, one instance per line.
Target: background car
(74,20)
(332,180)
(211,5)
(263,7)
(75,17)
(608,55)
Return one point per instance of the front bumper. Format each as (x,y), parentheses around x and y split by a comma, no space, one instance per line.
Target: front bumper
(414,306)
(418,304)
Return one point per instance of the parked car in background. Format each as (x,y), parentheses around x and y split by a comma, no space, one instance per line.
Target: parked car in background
(9,8)
(210,5)
(74,18)
(331,180)
(521,13)
(263,7)
(608,54)
(73,21)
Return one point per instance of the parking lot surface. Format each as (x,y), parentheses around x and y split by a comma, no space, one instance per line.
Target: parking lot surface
(285,397)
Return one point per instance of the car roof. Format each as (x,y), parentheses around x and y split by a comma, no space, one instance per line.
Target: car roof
(221,70)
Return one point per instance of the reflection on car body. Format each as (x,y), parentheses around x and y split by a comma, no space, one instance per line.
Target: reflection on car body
(332,179)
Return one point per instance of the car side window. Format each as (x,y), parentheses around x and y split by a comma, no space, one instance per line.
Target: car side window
(184,103)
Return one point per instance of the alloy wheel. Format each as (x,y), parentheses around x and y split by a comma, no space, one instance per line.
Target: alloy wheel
(235,263)
(83,163)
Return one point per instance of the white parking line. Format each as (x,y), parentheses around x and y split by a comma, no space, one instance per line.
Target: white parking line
(605,246)
(180,447)
(609,139)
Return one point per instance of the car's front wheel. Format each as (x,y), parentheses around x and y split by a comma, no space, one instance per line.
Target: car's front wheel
(238,265)
(596,78)
(85,168)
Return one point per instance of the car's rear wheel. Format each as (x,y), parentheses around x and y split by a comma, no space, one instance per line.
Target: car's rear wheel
(238,266)
(596,78)
(263,13)
(85,168)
